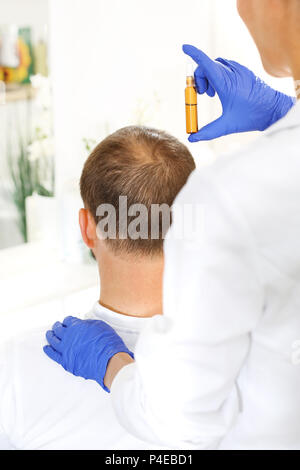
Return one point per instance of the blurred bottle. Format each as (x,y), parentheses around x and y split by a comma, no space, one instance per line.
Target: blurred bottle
(40,51)
(9,53)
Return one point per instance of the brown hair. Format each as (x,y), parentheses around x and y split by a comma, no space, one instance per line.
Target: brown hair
(146,165)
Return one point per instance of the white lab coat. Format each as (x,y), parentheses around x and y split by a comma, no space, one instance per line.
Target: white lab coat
(44,408)
(221,368)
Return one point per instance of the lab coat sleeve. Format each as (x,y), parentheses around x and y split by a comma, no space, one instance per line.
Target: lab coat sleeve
(6,396)
(182,390)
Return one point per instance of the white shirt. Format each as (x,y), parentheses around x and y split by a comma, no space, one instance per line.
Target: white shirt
(44,407)
(221,368)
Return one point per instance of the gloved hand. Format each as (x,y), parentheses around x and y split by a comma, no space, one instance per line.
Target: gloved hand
(84,347)
(248,103)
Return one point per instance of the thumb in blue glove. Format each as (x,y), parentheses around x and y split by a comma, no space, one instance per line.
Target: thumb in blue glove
(248,103)
(84,347)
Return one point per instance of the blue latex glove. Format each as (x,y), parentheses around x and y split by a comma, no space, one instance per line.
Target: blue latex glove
(248,103)
(84,347)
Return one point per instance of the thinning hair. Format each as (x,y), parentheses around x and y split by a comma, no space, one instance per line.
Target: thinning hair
(147,166)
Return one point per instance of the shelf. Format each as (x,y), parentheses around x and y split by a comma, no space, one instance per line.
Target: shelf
(19,93)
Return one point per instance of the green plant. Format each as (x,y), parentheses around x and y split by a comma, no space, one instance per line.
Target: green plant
(26,179)
(20,173)
(89,144)
(31,158)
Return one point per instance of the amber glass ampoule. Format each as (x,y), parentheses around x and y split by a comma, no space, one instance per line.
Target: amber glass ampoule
(191,108)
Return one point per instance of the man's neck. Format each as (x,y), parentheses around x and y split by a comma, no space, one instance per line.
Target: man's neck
(129,286)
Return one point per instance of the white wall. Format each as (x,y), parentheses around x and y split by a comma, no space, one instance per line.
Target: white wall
(106,55)
(32,13)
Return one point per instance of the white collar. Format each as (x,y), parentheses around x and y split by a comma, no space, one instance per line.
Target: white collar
(117,320)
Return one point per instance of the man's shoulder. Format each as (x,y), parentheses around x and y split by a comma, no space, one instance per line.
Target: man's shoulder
(22,356)
(26,367)
(20,346)
(43,406)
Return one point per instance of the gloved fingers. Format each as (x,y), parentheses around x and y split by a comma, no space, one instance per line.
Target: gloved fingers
(69,320)
(202,84)
(54,341)
(210,69)
(54,355)
(200,81)
(210,91)
(212,131)
(226,63)
(58,329)
(233,65)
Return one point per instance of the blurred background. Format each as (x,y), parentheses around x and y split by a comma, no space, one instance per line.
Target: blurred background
(71,72)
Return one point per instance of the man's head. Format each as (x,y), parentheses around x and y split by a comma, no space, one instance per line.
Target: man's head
(147,167)
(275,27)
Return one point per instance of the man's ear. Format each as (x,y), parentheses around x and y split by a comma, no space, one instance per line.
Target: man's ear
(87,228)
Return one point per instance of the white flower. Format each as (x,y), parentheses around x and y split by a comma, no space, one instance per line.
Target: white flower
(43,87)
(43,148)
(34,151)
(48,147)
